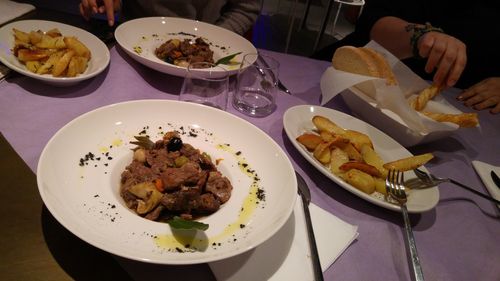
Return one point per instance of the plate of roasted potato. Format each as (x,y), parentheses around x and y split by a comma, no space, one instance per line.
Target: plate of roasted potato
(356,155)
(52,52)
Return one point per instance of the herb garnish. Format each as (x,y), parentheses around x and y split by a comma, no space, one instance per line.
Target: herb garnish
(144,142)
(226,59)
(179,223)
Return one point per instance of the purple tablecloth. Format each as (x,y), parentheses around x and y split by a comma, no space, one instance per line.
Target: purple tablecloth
(458,240)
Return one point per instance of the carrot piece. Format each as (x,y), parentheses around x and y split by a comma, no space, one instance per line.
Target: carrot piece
(159,185)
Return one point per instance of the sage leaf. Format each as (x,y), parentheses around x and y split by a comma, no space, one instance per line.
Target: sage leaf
(226,59)
(143,142)
(179,223)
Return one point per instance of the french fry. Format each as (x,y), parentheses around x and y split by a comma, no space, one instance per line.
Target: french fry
(409,163)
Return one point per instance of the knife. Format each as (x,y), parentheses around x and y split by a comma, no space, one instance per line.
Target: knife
(305,194)
(495,178)
(280,85)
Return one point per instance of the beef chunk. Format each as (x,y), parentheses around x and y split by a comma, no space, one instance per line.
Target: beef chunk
(219,186)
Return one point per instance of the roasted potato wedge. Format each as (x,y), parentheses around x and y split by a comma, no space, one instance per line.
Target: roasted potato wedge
(371,157)
(48,53)
(358,139)
(338,157)
(367,168)
(325,124)
(48,42)
(322,152)
(21,35)
(309,140)
(409,163)
(360,180)
(61,65)
(75,44)
(76,66)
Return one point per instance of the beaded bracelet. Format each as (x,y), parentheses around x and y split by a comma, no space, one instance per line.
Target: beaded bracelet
(419,32)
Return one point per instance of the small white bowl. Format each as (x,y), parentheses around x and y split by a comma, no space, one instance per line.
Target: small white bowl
(98,62)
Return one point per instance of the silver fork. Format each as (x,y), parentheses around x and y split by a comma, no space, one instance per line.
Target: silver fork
(431,180)
(395,188)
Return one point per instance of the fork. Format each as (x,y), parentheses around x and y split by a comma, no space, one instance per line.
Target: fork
(430,179)
(395,188)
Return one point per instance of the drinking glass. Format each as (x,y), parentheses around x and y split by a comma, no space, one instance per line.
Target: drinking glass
(256,85)
(206,83)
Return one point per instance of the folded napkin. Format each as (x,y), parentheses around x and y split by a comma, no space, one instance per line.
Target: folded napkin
(484,170)
(11,10)
(286,255)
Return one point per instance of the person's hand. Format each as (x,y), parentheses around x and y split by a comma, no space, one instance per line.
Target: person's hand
(484,94)
(445,53)
(91,7)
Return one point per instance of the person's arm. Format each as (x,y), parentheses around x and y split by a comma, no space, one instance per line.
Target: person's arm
(443,52)
(240,15)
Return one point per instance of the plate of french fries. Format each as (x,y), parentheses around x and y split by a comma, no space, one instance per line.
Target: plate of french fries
(52,52)
(356,155)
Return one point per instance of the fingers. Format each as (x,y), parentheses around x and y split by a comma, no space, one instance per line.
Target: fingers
(444,53)
(483,95)
(110,11)
(108,7)
(88,8)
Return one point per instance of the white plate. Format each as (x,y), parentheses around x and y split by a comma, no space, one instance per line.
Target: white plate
(140,37)
(98,62)
(85,199)
(391,123)
(298,120)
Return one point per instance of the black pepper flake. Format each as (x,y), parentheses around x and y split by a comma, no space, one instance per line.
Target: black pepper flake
(97,195)
(110,158)
(238,153)
(260,194)
(187,246)
(191,134)
(244,165)
(179,250)
(142,132)
(242,226)
(106,164)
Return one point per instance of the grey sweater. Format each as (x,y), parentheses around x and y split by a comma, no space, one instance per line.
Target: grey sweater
(236,15)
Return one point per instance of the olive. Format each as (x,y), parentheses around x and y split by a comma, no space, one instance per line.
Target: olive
(174,144)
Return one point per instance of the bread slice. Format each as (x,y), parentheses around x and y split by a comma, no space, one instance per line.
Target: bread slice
(363,61)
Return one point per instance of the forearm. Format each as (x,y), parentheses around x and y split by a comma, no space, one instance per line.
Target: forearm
(393,34)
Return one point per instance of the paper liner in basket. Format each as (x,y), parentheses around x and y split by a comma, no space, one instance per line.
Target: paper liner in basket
(391,100)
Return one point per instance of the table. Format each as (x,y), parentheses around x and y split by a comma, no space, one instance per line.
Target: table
(458,240)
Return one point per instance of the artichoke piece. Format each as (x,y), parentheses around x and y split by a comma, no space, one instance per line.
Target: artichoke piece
(150,196)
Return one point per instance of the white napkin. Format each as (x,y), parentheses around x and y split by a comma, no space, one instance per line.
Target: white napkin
(392,98)
(484,170)
(286,255)
(11,10)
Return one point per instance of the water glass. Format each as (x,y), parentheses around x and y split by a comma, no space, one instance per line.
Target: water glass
(206,83)
(256,85)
